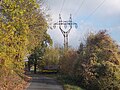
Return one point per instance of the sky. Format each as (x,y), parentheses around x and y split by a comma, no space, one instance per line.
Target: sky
(90,16)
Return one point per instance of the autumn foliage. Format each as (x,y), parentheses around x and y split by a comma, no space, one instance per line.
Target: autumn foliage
(22,28)
(67,62)
(97,66)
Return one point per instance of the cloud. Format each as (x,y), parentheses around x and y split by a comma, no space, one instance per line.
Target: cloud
(109,7)
(105,17)
(56,36)
(114,32)
(75,36)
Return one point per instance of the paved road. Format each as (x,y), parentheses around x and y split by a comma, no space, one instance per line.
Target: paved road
(39,82)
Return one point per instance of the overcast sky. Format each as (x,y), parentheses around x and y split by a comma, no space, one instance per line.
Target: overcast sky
(90,15)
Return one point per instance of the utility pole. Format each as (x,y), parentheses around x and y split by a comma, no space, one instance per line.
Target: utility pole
(65,24)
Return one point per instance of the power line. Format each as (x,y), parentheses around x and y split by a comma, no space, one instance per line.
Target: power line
(79,7)
(62,6)
(95,9)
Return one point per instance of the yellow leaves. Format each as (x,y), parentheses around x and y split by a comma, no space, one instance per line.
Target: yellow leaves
(16,35)
(7,1)
(6,60)
(51,56)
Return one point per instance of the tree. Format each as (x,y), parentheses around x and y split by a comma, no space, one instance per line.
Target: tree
(50,57)
(23,27)
(37,53)
(67,62)
(99,64)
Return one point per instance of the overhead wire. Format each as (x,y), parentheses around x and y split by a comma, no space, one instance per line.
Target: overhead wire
(62,6)
(79,7)
(83,1)
(95,10)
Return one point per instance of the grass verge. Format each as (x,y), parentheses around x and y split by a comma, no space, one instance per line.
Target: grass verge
(67,82)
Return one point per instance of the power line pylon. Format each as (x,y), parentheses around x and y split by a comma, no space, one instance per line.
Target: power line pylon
(65,24)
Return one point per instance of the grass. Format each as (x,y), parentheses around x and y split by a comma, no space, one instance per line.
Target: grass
(67,82)
(71,87)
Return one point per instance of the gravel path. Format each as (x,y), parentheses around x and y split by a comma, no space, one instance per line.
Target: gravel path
(39,82)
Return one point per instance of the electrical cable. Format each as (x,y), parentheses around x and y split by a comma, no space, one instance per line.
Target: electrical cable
(79,7)
(95,9)
(62,6)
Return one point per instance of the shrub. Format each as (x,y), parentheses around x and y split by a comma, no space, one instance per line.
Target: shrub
(67,61)
(98,66)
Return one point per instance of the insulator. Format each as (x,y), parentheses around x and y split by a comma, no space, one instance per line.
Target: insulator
(54,26)
(76,26)
(70,17)
(60,19)
(65,26)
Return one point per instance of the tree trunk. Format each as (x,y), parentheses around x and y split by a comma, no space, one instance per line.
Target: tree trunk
(28,65)
(35,66)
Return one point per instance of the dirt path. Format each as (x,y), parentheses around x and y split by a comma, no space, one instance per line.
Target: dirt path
(39,82)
